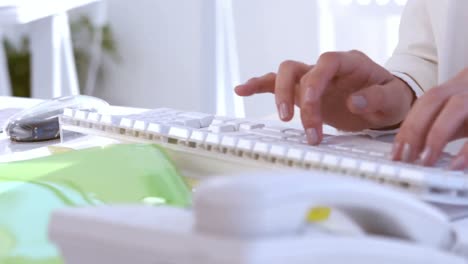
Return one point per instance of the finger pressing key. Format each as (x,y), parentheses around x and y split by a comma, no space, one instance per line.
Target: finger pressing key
(461,161)
(445,128)
(313,84)
(288,76)
(311,118)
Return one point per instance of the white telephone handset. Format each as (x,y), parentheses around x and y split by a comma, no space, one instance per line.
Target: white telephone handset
(266,205)
(261,219)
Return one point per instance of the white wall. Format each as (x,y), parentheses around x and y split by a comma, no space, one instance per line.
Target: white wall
(160,42)
(269,32)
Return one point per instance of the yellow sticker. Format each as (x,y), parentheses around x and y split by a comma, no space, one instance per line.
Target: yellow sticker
(191,182)
(318,214)
(58,149)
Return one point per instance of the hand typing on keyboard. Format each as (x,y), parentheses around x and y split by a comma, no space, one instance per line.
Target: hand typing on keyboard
(346,90)
(439,116)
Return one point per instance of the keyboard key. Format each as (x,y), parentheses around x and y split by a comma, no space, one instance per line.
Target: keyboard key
(268,133)
(219,120)
(415,177)
(313,158)
(94,117)
(358,150)
(69,112)
(230,140)
(222,128)
(296,153)
(377,154)
(110,120)
(190,122)
(368,168)
(204,119)
(247,143)
(295,138)
(388,171)
(262,147)
(294,132)
(81,115)
(236,123)
(213,139)
(250,126)
(180,132)
(127,122)
(330,161)
(198,136)
(349,164)
(279,150)
(159,129)
(275,129)
(140,125)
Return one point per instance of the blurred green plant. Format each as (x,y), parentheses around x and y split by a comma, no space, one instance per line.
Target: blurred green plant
(83,34)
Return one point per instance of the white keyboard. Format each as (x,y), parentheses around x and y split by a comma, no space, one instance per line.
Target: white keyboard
(242,140)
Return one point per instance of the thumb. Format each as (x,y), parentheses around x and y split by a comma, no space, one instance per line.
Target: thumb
(369,100)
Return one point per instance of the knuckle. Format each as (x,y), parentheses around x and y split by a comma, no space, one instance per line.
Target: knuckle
(270,75)
(437,134)
(409,131)
(287,65)
(457,101)
(433,95)
(330,56)
(308,81)
(253,79)
(357,52)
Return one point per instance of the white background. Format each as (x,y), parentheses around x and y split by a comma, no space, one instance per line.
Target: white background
(161,44)
(166,46)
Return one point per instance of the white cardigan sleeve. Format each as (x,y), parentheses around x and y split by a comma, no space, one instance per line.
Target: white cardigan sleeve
(415,58)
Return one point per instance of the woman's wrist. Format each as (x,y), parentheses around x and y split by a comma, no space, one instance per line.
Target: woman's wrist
(405,96)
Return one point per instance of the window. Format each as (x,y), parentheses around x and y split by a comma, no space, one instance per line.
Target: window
(367,25)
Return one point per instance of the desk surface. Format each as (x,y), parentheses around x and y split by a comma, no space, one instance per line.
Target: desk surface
(17,151)
(12,151)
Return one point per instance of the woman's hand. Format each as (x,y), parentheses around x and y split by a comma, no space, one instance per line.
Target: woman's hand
(346,90)
(439,116)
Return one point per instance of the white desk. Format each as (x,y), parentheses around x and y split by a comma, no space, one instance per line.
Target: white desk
(188,164)
(53,64)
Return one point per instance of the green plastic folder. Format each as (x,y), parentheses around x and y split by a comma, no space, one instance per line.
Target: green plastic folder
(31,190)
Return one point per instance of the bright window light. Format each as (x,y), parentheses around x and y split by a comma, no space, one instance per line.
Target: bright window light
(364,2)
(400,2)
(346,2)
(382,2)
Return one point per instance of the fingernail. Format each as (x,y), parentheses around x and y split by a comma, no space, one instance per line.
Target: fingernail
(458,163)
(283,111)
(426,155)
(396,149)
(406,154)
(312,136)
(359,101)
(311,94)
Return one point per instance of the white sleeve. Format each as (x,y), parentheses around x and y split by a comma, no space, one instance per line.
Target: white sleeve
(415,58)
